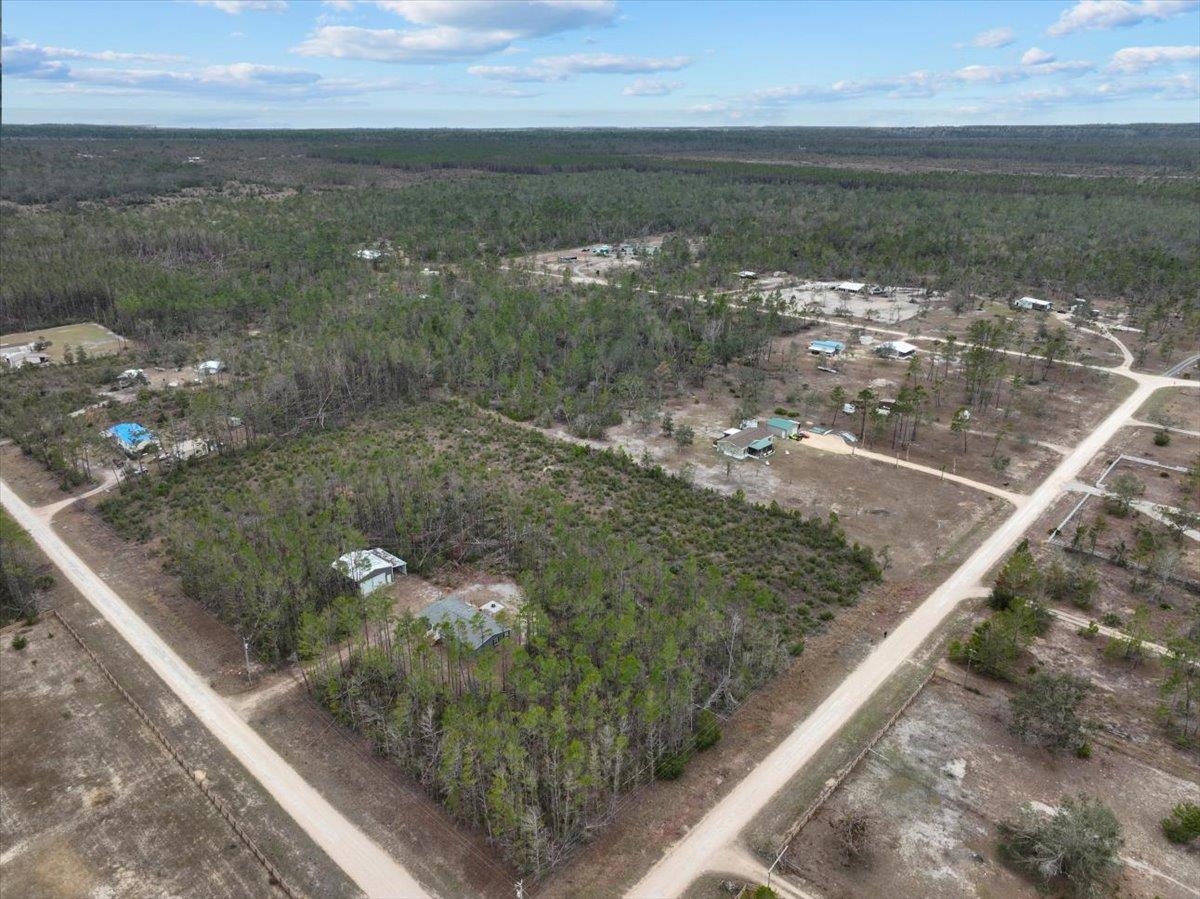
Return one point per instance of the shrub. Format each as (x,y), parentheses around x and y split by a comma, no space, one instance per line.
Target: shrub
(1183,824)
(670,766)
(1162,437)
(1078,842)
(708,729)
(19,642)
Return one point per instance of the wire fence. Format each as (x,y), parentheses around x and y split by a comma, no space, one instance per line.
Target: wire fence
(832,784)
(222,807)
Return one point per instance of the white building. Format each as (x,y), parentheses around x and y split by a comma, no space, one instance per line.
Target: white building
(896,349)
(210,367)
(851,287)
(1034,304)
(370,568)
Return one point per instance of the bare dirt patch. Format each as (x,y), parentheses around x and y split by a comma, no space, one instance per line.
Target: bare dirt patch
(941,779)
(93,804)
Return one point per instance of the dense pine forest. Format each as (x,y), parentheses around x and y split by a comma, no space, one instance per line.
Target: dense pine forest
(650,607)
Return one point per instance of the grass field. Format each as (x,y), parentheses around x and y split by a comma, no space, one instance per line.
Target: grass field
(94,339)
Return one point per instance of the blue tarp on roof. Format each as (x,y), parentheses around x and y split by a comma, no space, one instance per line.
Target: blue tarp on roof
(129,434)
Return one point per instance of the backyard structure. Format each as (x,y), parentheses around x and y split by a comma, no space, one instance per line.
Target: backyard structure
(747,443)
(210,367)
(132,438)
(850,287)
(370,569)
(784,428)
(473,627)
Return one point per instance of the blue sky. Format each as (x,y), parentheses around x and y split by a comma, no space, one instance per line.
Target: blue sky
(421,63)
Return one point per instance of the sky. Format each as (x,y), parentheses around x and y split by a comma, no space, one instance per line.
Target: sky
(574,63)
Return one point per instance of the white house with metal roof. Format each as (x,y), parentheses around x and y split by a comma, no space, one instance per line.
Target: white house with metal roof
(370,569)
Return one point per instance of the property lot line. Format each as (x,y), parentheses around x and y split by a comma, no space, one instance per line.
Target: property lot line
(363,860)
(831,443)
(1112,632)
(691,855)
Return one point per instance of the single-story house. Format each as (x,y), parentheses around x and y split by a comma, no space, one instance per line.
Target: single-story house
(896,349)
(851,287)
(131,376)
(752,443)
(368,254)
(19,356)
(783,427)
(470,625)
(1033,304)
(210,367)
(826,347)
(132,438)
(370,569)
(602,249)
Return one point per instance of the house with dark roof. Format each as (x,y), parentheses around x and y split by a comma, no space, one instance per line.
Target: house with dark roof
(747,443)
(469,625)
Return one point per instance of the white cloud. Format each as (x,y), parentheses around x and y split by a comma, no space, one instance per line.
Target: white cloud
(526,18)
(1139,59)
(339,5)
(1101,15)
(988,74)
(560,68)
(994,37)
(426,45)
(450,31)
(1036,56)
(237,7)
(650,87)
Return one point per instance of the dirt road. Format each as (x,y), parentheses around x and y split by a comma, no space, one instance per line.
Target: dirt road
(692,855)
(368,865)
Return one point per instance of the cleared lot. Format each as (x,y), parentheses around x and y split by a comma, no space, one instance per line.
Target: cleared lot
(94,339)
(939,782)
(93,805)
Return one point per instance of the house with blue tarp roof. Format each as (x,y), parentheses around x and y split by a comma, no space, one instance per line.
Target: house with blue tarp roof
(132,438)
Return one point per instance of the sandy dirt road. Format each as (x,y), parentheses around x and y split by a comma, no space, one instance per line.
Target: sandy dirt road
(364,861)
(693,854)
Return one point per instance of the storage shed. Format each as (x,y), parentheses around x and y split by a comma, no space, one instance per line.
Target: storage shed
(783,427)
(469,625)
(851,287)
(370,569)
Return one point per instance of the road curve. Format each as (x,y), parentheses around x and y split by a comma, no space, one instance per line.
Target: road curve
(691,855)
(363,860)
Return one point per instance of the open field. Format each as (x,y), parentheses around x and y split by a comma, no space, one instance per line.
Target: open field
(93,804)
(940,781)
(93,339)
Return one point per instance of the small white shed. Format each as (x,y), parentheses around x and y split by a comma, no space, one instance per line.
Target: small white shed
(370,569)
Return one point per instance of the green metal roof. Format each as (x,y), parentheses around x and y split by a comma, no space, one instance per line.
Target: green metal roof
(760,443)
(784,423)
